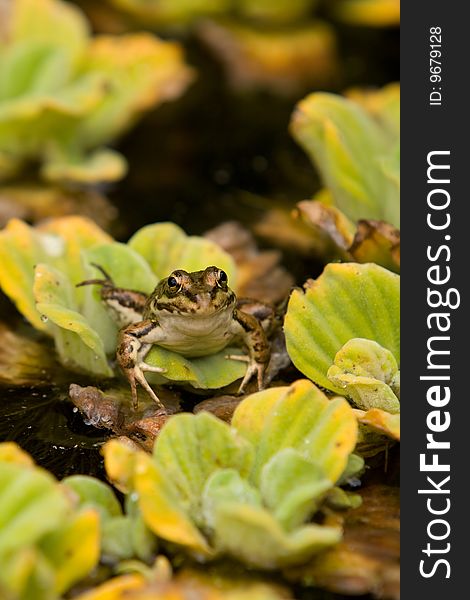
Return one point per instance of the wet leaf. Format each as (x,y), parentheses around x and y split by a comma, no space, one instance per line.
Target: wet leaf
(347,301)
(328,219)
(368,374)
(226,486)
(58,243)
(10,452)
(20,250)
(299,417)
(113,410)
(77,342)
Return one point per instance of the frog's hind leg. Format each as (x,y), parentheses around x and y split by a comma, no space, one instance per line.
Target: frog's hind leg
(135,341)
(125,306)
(250,330)
(106,281)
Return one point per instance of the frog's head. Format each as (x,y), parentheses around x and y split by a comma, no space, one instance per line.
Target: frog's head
(198,293)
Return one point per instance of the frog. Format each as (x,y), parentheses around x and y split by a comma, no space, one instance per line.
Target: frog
(192,313)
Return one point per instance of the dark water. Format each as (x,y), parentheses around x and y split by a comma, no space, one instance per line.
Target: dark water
(45,423)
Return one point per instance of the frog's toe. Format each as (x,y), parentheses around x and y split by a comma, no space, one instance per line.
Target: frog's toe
(152,369)
(239,357)
(254,368)
(136,374)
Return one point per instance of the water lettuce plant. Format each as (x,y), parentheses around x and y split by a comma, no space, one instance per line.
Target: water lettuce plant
(250,489)
(47,541)
(343,331)
(65,94)
(41,267)
(123,534)
(354,143)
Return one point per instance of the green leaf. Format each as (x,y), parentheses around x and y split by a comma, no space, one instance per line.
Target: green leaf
(292,487)
(366,372)
(74,549)
(27,575)
(93,493)
(300,417)
(56,23)
(191,447)
(347,301)
(226,485)
(166,247)
(350,149)
(207,372)
(20,250)
(164,509)
(253,535)
(31,505)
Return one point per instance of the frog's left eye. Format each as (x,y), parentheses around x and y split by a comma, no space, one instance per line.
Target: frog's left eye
(222,277)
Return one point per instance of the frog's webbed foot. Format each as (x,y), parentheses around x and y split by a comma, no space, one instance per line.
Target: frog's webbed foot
(135,341)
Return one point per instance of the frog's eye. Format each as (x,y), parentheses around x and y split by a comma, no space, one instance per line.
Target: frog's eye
(222,277)
(172,282)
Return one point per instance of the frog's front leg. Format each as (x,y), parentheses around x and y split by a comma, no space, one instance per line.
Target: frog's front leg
(251,332)
(134,343)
